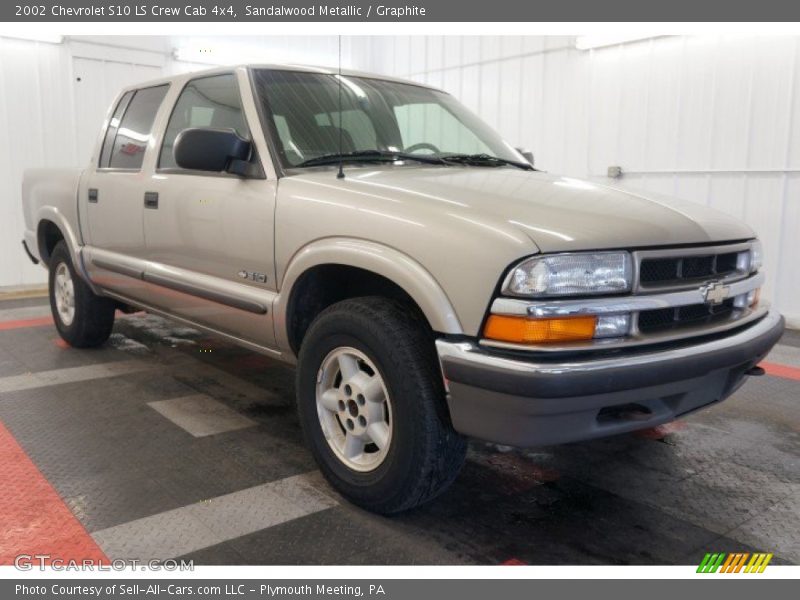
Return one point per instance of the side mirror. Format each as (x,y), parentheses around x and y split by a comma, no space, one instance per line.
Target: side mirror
(207,149)
(527,154)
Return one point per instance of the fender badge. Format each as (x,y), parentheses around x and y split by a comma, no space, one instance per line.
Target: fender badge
(715,293)
(257,277)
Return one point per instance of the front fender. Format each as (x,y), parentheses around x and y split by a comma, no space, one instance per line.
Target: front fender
(370,256)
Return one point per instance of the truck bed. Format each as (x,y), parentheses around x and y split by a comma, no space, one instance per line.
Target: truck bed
(51,195)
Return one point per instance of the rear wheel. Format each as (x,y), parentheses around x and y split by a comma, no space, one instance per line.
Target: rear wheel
(371,402)
(82,318)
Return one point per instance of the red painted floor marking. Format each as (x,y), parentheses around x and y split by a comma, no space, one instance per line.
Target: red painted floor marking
(61,343)
(25,323)
(781,370)
(517,474)
(39,321)
(659,432)
(33,518)
(514,561)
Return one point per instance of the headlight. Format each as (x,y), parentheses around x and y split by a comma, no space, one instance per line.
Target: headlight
(756,256)
(571,275)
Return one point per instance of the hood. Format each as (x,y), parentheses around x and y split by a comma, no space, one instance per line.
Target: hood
(557,213)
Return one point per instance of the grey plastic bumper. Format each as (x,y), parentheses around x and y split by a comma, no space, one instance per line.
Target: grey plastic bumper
(525,403)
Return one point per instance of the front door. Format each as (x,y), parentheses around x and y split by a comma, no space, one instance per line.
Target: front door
(209,236)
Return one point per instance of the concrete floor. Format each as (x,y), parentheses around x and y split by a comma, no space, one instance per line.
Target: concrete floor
(168,443)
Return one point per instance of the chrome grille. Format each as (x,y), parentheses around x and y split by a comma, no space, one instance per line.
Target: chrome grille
(686,269)
(677,268)
(679,317)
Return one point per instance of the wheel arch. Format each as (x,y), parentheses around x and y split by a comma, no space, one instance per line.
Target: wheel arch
(52,227)
(381,265)
(48,234)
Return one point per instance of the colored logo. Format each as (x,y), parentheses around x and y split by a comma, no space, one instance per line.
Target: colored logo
(734,562)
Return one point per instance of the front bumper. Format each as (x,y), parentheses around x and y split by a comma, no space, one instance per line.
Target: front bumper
(518,402)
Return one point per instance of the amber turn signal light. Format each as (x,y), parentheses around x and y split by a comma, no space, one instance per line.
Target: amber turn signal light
(521,330)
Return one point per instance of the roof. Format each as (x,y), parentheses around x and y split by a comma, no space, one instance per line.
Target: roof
(183,77)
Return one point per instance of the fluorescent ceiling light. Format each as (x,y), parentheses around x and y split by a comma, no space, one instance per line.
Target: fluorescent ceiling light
(587,42)
(196,54)
(50,38)
(224,54)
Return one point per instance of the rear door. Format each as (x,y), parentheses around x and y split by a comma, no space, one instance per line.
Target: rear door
(112,193)
(209,236)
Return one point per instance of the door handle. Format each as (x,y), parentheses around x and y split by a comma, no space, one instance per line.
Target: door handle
(151,200)
(93,195)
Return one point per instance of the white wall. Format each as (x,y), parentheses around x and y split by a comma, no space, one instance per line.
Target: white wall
(53,98)
(712,119)
(715,120)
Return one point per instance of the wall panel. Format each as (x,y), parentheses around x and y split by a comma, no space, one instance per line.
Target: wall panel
(713,119)
(50,118)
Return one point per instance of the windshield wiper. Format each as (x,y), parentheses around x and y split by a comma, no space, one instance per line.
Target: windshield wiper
(369,156)
(485,160)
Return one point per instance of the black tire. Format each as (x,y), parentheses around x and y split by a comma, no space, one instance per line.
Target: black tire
(425,454)
(93,319)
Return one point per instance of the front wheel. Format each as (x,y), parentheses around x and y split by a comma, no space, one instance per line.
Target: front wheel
(82,318)
(371,403)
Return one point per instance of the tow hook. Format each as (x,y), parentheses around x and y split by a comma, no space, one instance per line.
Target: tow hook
(755,371)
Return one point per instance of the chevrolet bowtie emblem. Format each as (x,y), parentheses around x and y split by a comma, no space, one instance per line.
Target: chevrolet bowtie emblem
(715,293)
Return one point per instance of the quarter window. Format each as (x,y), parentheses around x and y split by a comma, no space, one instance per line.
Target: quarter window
(133,133)
(206,102)
(111,132)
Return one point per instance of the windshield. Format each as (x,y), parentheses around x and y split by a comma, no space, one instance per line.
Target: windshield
(308,121)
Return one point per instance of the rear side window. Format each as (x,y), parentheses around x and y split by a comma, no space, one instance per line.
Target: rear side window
(204,102)
(113,125)
(135,127)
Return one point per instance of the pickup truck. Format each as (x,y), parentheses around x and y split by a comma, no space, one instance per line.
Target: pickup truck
(429,284)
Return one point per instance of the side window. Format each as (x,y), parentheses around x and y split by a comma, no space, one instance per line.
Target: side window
(205,102)
(135,127)
(111,132)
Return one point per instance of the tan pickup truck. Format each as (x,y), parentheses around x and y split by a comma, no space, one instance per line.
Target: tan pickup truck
(428,282)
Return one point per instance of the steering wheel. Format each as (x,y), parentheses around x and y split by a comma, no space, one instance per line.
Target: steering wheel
(422,146)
